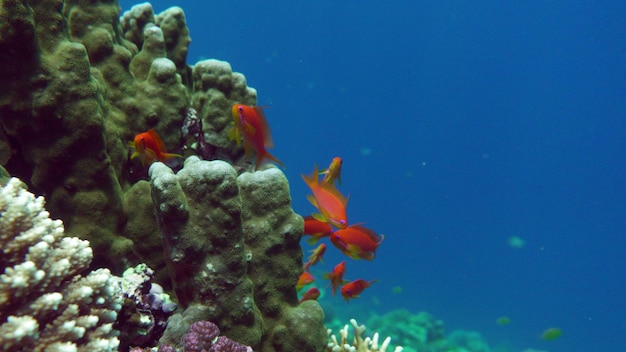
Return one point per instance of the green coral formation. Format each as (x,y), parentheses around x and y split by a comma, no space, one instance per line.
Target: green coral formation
(422,332)
(79,83)
(232,246)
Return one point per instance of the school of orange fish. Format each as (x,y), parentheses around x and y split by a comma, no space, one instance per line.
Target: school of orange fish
(355,241)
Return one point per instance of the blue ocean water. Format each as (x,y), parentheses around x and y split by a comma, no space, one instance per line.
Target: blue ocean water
(461,124)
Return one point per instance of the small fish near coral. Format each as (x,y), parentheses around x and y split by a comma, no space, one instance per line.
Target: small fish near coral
(357,242)
(305,279)
(330,203)
(336,276)
(150,147)
(316,229)
(316,256)
(251,125)
(354,288)
(312,294)
(333,173)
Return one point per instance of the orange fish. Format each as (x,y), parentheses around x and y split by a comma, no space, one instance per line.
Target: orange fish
(354,288)
(328,200)
(357,242)
(250,123)
(333,172)
(305,279)
(317,229)
(150,147)
(316,256)
(336,276)
(312,293)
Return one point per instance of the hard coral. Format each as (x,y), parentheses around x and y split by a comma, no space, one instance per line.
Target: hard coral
(359,344)
(44,303)
(232,245)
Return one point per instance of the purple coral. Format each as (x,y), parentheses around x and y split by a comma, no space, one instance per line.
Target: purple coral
(203,337)
(224,344)
(200,336)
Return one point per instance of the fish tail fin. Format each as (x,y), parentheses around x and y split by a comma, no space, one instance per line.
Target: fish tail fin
(312,179)
(367,255)
(312,240)
(267,155)
(168,156)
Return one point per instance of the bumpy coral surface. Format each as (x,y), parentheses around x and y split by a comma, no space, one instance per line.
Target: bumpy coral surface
(233,248)
(44,303)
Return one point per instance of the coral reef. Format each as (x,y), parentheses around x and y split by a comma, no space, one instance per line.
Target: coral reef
(146,308)
(203,336)
(233,250)
(418,331)
(422,332)
(44,303)
(78,84)
(359,343)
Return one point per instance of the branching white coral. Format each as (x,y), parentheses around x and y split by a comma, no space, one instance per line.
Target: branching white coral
(359,344)
(44,303)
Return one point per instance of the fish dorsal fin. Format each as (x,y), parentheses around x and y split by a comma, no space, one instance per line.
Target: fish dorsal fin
(157,140)
(312,179)
(370,233)
(335,192)
(265,127)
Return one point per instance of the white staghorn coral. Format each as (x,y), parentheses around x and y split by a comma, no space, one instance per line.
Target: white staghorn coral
(359,344)
(44,303)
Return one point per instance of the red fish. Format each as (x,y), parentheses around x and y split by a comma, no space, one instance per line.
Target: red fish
(336,276)
(354,288)
(333,172)
(312,293)
(305,279)
(316,256)
(317,229)
(357,242)
(150,147)
(328,200)
(250,123)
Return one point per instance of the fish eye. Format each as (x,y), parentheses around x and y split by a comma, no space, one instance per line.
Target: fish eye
(240,108)
(342,222)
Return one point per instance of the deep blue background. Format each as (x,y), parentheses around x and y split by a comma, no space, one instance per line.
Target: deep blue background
(461,123)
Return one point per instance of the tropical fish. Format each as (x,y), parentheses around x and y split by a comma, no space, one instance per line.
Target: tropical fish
(333,172)
(328,200)
(503,321)
(316,256)
(551,334)
(357,242)
(354,288)
(336,276)
(305,279)
(150,147)
(251,125)
(312,293)
(317,229)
